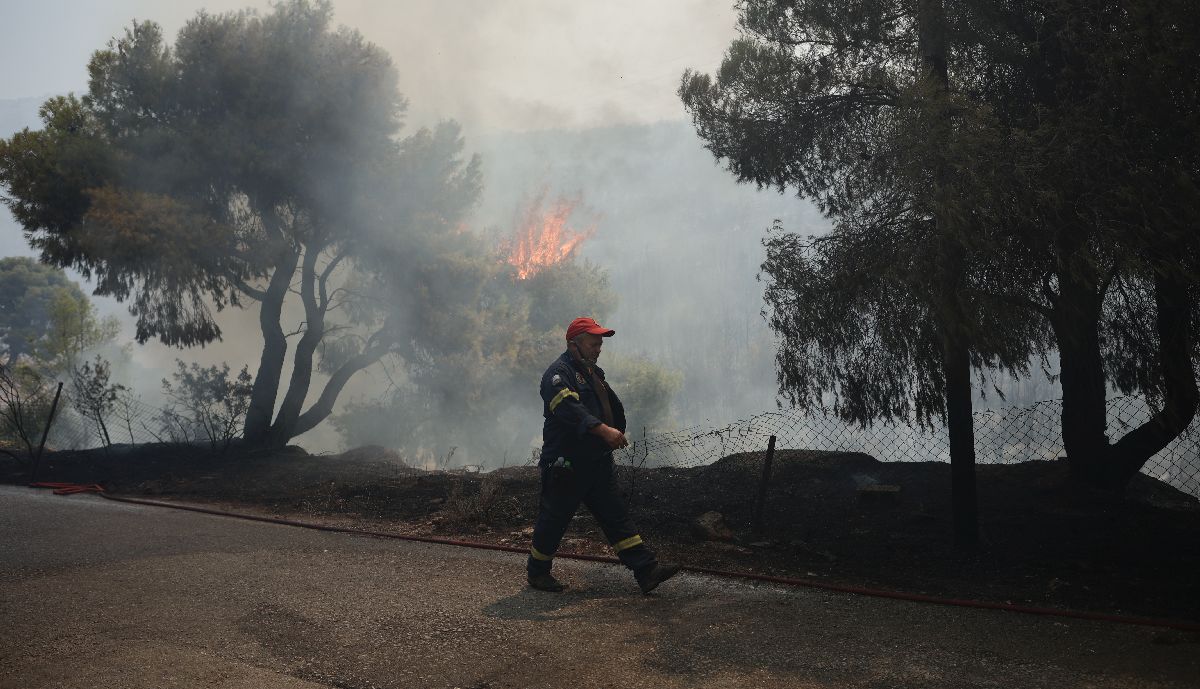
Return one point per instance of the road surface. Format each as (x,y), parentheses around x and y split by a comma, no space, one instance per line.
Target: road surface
(96,593)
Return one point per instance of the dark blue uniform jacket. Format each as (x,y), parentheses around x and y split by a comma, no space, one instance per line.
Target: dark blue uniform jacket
(571,406)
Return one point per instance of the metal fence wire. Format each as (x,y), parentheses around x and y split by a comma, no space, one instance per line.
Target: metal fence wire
(130,421)
(1002,436)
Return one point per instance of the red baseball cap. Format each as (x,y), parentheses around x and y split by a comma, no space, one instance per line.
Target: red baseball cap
(580,326)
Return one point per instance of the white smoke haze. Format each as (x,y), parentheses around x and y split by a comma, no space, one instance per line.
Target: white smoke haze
(512,65)
(577,99)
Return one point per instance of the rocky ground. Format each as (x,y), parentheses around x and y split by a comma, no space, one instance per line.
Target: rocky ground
(840,518)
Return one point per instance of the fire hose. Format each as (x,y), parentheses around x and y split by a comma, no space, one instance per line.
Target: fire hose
(72,488)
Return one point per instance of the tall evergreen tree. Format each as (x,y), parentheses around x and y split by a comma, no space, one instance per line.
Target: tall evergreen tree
(852,106)
(255,158)
(1049,176)
(46,317)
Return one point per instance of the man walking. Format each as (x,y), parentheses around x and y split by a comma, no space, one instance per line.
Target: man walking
(585,422)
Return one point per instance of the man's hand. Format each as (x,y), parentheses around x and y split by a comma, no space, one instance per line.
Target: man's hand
(614,438)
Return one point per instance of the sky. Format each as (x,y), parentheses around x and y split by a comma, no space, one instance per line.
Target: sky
(490,64)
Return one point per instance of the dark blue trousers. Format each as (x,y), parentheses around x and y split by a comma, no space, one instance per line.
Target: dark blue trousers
(594,484)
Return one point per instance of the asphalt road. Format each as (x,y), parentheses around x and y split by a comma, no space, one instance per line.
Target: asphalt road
(95,593)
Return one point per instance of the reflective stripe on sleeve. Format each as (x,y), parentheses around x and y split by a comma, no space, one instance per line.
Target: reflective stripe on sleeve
(627,543)
(562,395)
(539,555)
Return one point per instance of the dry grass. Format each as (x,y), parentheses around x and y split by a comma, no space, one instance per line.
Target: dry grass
(475,502)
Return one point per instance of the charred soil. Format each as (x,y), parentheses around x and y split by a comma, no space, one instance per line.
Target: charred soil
(832,517)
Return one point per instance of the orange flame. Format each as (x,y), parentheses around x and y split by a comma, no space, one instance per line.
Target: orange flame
(543,238)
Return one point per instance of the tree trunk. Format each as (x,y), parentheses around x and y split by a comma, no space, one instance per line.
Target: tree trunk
(103,429)
(284,427)
(956,367)
(951,265)
(270,366)
(1180,394)
(289,422)
(323,407)
(1075,318)
(960,426)
(1076,322)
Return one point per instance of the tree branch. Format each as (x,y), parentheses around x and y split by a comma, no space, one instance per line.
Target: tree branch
(1019,301)
(323,407)
(1108,279)
(324,279)
(245,288)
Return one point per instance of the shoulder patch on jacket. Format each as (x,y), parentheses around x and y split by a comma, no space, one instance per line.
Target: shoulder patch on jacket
(556,380)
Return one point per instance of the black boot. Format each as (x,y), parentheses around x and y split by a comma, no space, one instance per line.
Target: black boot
(546,582)
(654,575)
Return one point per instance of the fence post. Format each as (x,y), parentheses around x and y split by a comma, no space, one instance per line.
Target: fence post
(756,522)
(37,459)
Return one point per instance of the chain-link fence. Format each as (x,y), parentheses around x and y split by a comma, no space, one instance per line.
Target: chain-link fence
(128,420)
(1002,436)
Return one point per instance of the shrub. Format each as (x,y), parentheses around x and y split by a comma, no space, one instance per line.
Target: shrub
(205,405)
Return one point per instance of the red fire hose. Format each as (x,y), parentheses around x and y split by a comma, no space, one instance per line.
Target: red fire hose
(71,488)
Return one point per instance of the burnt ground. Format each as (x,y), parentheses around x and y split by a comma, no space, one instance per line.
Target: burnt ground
(1046,540)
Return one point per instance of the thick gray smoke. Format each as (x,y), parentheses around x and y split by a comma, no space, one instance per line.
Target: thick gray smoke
(681,242)
(570,100)
(581,103)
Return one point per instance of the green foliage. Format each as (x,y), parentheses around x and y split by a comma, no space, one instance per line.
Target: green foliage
(28,291)
(1059,163)
(1045,165)
(647,389)
(482,340)
(255,155)
(204,158)
(45,316)
(850,328)
(95,396)
(49,173)
(558,292)
(26,396)
(481,352)
(825,100)
(204,404)
(74,329)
